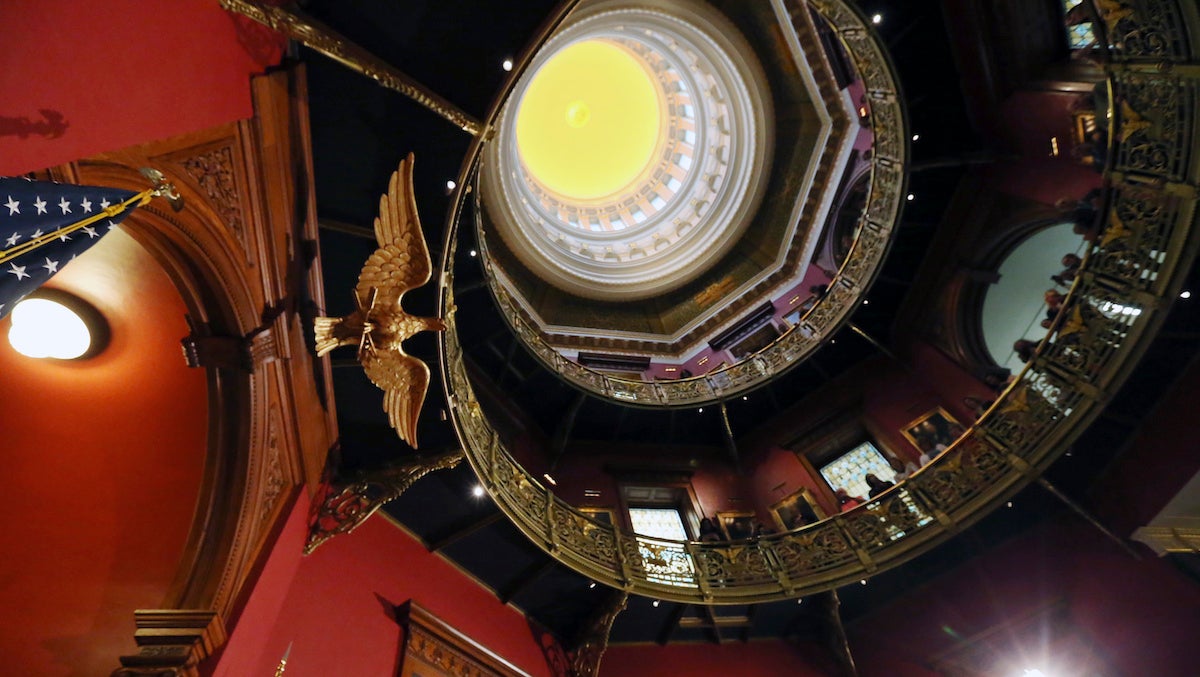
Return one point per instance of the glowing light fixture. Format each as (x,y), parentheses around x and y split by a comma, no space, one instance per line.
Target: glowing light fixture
(477,492)
(56,325)
(507,65)
(1185,294)
(591,100)
(877,19)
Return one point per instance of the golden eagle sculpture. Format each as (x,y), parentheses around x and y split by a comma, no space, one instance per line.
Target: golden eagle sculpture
(380,325)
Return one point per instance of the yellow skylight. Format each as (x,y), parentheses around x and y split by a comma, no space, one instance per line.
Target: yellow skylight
(590,121)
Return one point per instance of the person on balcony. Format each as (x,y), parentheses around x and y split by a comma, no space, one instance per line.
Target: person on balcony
(877,485)
(847,501)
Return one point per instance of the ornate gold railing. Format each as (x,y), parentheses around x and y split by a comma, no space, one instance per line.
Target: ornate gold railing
(871,239)
(1135,267)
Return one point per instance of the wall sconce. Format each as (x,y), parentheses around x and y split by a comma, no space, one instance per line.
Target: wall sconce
(54,324)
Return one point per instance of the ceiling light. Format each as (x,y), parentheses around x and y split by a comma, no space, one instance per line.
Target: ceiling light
(550,479)
(910,197)
(877,19)
(866,302)
(655,604)
(507,65)
(1009,504)
(701,410)
(1185,294)
(473,253)
(745,398)
(1033,672)
(800,600)
(477,492)
(916,137)
(450,185)
(53,324)
(863,581)
(591,585)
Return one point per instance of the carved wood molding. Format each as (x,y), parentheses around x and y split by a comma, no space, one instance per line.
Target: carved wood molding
(241,255)
(432,643)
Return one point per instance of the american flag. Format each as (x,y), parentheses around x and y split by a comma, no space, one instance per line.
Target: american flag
(43,210)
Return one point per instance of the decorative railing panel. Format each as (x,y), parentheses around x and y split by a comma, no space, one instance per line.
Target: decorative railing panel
(1136,263)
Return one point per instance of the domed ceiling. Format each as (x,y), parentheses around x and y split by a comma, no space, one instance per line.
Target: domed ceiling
(622,219)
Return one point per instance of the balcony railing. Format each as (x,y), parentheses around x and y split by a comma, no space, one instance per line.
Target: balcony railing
(845,291)
(1139,261)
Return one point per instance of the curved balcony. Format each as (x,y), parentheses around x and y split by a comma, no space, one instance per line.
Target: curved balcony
(872,237)
(1138,261)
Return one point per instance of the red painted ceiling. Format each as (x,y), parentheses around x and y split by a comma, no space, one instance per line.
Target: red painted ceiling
(103,459)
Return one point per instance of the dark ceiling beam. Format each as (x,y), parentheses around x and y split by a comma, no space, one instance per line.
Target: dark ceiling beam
(964,160)
(460,532)
(670,624)
(835,634)
(526,578)
(730,442)
(508,360)
(347,228)
(750,612)
(875,344)
(714,630)
(563,432)
(467,288)
(1087,516)
(620,422)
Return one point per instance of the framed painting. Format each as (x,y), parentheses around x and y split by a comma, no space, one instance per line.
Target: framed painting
(933,431)
(736,524)
(796,510)
(432,648)
(601,515)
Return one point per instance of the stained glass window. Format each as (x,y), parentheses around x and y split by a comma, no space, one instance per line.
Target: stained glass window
(658,522)
(1080,35)
(850,469)
(664,562)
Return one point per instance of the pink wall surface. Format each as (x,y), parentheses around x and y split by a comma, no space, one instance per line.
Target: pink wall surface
(753,659)
(81,78)
(333,606)
(1142,616)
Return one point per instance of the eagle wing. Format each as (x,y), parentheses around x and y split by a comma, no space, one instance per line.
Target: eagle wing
(404,380)
(402,261)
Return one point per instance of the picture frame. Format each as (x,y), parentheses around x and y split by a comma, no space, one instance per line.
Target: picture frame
(736,524)
(796,510)
(932,432)
(601,515)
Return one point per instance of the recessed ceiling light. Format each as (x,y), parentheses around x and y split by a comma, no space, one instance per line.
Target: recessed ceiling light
(656,603)
(1185,294)
(477,492)
(701,410)
(507,65)
(745,398)
(800,600)
(916,137)
(910,197)
(591,585)
(450,185)
(1009,505)
(473,253)
(863,581)
(877,19)
(550,479)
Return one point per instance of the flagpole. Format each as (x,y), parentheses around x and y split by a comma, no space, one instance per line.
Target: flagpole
(161,187)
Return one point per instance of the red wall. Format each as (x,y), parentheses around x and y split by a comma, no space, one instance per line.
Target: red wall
(333,606)
(102,466)
(1142,615)
(754,659)
(119,73)
(779,466)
